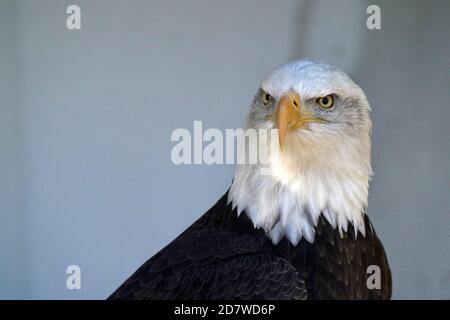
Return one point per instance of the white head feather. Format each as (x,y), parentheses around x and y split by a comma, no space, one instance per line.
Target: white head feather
(323,169)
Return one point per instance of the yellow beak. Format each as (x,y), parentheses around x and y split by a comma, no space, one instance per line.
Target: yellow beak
(289,116)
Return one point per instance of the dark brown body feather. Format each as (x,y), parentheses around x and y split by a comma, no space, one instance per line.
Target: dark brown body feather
(222,256)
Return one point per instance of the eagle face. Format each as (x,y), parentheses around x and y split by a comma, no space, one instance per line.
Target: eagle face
(322,165)
(308,100)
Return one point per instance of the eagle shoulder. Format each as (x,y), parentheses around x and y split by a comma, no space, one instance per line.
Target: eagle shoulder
(214,265)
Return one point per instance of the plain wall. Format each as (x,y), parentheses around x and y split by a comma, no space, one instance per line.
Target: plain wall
(86,120)
(12,214)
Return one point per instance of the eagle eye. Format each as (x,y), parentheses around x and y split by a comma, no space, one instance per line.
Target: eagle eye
(325,102)
(266,98)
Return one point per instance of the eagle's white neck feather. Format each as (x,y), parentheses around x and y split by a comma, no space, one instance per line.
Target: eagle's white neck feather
(289,201)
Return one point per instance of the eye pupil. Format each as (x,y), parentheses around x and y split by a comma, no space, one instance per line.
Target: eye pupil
(266,98)
(325,102)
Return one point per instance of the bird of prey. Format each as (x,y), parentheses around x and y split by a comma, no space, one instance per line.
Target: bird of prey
(300,232)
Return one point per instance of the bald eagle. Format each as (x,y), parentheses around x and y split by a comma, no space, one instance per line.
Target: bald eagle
(300,232)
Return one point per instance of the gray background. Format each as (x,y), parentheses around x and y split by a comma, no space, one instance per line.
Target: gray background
(86,118)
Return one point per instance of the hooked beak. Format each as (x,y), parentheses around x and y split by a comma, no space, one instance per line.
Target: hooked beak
(290,115)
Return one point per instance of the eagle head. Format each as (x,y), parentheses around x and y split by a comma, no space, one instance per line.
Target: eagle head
(321,165)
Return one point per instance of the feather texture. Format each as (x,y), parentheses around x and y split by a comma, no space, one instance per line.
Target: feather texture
(222,256)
